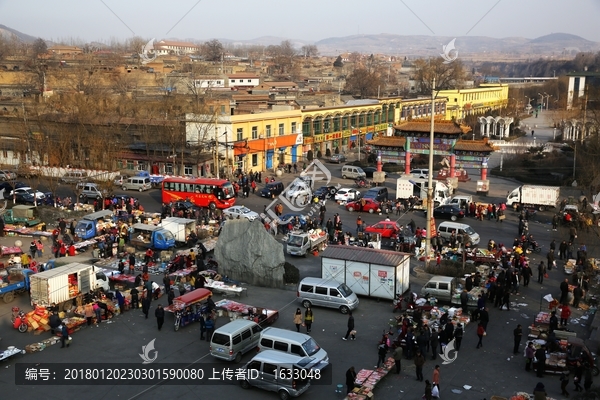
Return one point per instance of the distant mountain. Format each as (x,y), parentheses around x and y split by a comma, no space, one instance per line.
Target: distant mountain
(8,33)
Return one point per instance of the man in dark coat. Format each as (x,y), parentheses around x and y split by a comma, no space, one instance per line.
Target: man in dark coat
(350,325)
(540,355)
(434,343)
(159,313)
(564,291)
(484,318)
(517,335)
(350,379)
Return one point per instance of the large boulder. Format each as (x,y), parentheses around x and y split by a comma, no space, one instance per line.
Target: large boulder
(246,252)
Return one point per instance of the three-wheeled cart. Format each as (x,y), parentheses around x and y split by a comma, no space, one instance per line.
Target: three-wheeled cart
(188,308)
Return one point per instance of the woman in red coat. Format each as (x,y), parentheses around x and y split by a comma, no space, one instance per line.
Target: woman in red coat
(565,313)
(480,333)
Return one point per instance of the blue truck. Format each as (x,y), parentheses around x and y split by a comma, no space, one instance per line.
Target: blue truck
(90,225)
(151,236)
(16,281)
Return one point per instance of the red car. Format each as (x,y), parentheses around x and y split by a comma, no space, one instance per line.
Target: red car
(387,229)
(371,206)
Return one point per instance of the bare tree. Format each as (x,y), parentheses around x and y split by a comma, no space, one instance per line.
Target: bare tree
(212,50)
(363,83)
(39,47)
(282,56)
(309,50)
(447,76)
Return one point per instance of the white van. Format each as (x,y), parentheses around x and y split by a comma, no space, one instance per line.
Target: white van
(232,340)
(353,172)
(461,201)
(446,228)
(287,374)
(73,177)
(326,293)
(292,342)
(137,183)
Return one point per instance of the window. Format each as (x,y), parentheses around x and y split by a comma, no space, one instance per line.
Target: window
(281,346)
(268,130)
(294,127)
(254,132)
(141,167)
(129,164)
(306,288)
(222,109)
(218,82)
(255,160)
(249,80)
(188,170)
(334,292)
(268,343)
(281,130)
(269,368)
(168,168)
(321,290)
(233,81)
(254,365)
(246,334)
(443,286)
(256,329)
(240,134)
(431,285)
(297,350)
(306,128)
(237,339)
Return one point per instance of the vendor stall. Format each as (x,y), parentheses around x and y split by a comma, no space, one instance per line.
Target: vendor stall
(222,287)
(234,310)
(188,308)
(367,379)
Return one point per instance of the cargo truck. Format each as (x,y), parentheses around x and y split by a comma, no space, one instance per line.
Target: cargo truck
(21,214)
(300,243)
(16,281)
(92,224)
(179,227)
(63,284)
(540,197)
(151,236)
(409,185)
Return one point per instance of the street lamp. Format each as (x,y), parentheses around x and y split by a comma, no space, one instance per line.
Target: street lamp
(430,181)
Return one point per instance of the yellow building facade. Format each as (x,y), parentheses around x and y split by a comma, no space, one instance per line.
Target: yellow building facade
(476,101)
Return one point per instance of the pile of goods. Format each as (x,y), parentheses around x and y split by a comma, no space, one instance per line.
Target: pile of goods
(368,379)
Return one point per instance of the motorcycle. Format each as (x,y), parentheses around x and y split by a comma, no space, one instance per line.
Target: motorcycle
(361,183)
(20,322)
(15,314)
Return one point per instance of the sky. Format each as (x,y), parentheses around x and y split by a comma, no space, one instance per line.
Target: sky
(308,20)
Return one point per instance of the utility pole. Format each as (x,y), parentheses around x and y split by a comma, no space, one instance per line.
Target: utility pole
(227,170)
(430,181)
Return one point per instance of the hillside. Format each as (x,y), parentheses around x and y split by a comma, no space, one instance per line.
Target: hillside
(8,33)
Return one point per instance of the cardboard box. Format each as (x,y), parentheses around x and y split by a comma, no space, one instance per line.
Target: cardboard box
(34,324)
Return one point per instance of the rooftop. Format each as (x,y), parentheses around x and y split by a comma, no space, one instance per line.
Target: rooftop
(446,127)
(364,255)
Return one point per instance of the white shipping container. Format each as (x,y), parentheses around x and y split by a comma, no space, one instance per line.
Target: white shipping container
(52,286)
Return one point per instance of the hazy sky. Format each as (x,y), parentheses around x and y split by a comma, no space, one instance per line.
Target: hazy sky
(308,20)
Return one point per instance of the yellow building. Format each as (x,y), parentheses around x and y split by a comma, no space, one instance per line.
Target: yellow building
(477,101)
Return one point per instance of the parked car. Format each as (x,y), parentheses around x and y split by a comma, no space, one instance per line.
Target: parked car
(285,218)
(27,190)
(371,206)
(337,158)
(370,170)
(387,229)
(6,175)
(185,206)
(28,198)
(325,192)
(451,212)
(420,173)
(347,194)
(241,212)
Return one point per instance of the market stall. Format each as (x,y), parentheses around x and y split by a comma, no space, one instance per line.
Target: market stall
(222,287)
(235,310)
(188,308)
(367,379)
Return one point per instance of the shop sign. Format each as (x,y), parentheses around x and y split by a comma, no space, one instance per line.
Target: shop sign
(299,139)
(319,138)
(346,133)
(333,136)
(471,158)
(475,165)
(382,274)
(308,140)
(357,274)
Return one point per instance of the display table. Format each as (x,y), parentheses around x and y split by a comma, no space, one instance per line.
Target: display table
(11,351)
(367,379)
(117,277)
(222,287)
(235,310)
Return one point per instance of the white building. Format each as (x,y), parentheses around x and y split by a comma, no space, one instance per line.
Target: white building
(243,80)
(168,47)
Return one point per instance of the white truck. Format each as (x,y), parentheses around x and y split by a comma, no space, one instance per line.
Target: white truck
(409,185)
(62,284)
(179,227)
(540,197)
(300,243)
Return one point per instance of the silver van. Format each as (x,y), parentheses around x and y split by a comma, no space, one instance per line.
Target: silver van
(73,177)
(326,293)
(232,340)
(137,183)
(292,342)
(287,374)
(446,228)
(353,172)
(90,191)
(440,287)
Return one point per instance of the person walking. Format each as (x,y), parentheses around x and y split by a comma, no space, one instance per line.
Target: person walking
(309,318)
(541,272)
(517,335)
(564,381)
(529,354)
(480,334)
(434,343)
(458,336)
(146,303)
(428,389)
(167,283)
(350,325)
(159,313)
(435,380)
(577,375)
(298,319)
(564,291)
(64,338)
(565,313)
(209,324)
(381,352)
(419,362)
(202,326)
(350,379)
(540,355)
(398,358)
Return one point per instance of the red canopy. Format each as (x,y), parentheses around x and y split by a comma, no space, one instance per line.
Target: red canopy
(194,296)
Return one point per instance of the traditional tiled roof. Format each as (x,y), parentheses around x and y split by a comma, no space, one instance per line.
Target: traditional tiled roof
(446,127)
(388,141)
(474,145)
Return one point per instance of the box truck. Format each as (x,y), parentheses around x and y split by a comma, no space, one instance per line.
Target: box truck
(409,185)
(540,197)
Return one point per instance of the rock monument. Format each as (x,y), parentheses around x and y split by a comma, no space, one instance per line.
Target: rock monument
(246,252)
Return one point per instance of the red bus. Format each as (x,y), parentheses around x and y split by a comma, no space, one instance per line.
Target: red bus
(203,192)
